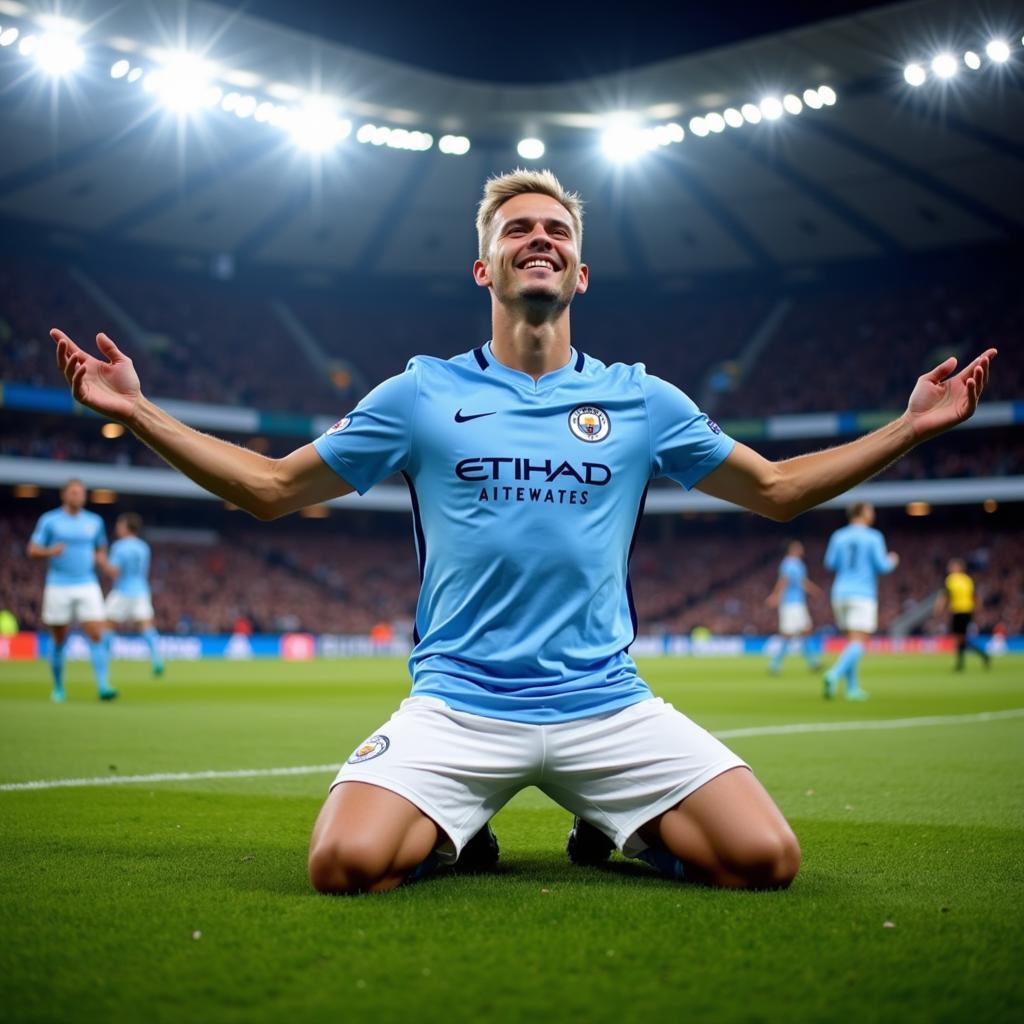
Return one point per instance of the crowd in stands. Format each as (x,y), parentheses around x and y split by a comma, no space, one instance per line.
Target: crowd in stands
(852,342)
(716,575)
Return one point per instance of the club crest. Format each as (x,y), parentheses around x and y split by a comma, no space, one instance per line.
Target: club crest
(340,425)
(369,749)
(589,423)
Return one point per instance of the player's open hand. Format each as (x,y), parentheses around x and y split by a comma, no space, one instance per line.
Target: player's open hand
(940,401)
(109,385)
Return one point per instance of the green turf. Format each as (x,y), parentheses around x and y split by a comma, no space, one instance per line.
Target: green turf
(103,888)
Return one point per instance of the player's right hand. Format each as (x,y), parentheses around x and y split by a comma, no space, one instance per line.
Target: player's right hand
(109,386)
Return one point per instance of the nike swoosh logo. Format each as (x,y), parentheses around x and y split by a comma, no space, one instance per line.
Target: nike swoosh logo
(459,418)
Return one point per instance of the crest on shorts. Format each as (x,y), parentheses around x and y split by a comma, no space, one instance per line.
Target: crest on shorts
(590,423)
(340,425)
(369,749)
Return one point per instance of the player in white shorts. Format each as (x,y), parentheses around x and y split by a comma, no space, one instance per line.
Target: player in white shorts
(857,555)
(789,595)
(130,602)
(73,541)
(528,463)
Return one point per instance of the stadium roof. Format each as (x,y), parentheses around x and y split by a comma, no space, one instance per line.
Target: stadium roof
(888,169)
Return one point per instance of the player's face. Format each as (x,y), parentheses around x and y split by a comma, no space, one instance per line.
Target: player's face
(869,515)
(534,254)
(121,529)
(73,497)
(796,550)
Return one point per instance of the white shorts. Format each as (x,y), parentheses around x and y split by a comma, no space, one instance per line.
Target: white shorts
(794,619)
(80,602)
(618,771)
(856,614)
(129,608)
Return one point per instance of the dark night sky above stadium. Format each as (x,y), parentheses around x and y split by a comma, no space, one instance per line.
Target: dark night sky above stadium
(505,42)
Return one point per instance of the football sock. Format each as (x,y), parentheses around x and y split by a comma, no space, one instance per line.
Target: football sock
(426,867)
(812,654)
(780,653)
(664,863)
(847,660)
(57,666)
(152,637)
(99,655)
(855,651)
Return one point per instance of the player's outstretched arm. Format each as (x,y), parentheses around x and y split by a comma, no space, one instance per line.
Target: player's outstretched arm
(782,490)
(266,488)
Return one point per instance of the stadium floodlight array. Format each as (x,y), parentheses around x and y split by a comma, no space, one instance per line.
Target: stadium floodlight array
(946,65)
(770,108)
(394,138)
(624,140)
(453,145)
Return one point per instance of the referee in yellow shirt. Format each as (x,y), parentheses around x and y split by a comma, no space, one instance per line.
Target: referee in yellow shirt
(959,597)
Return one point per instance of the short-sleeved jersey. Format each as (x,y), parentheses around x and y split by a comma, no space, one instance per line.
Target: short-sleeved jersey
(857,555)
(526,499)
(960,589)
(81,534)
(794,572)
(130,555)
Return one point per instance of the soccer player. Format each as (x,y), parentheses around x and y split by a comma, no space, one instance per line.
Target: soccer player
(74,541)
(789,595)
(528,462)
(857,555)
(129,601)
(958,596)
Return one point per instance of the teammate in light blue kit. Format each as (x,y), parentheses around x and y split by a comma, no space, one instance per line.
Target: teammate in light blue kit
(74,540)
(528,463)
(857,555)
(129,601)
(790,596)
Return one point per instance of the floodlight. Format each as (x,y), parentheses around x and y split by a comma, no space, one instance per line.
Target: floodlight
(812,99)
(59,54)
(771,108)
(399,138)
(972,60)
(733,118)
(380,135)
(914,74)
(365,133)
(675,132)
(230,102)
(120,68)
(530,149)
(623,141)
(699,126)
(181,83)
(8,36)
(791,104)
(998,51)
(944,65)
(245,107)
(134,75)
(263,112)
(212,95)
(454,145)
(827,95)
(316,127)
(27,46)
(715,122)
(751,113)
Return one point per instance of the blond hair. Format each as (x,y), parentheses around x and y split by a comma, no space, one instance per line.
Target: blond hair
(502,187)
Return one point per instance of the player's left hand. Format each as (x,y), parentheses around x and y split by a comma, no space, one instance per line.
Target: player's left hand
(940,401)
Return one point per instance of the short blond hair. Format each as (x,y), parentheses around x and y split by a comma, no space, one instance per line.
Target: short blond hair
(502,187)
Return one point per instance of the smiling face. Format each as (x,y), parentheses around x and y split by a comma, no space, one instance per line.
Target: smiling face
(533,257)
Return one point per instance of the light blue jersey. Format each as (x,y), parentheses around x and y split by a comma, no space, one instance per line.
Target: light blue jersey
(526,500)
(81,534)
(794,572)
(857,555)
(131,556)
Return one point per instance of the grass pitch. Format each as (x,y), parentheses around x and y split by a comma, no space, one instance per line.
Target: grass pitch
(188,899)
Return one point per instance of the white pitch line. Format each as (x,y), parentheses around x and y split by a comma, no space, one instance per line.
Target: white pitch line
(318,769)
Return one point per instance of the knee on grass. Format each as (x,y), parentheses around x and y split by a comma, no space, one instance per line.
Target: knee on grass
(767,860)
(350,866)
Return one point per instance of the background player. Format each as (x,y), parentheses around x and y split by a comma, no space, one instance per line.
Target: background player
(856,554)
(129,602)
(524,619)
(959,598)
(790,596)
(74,540)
